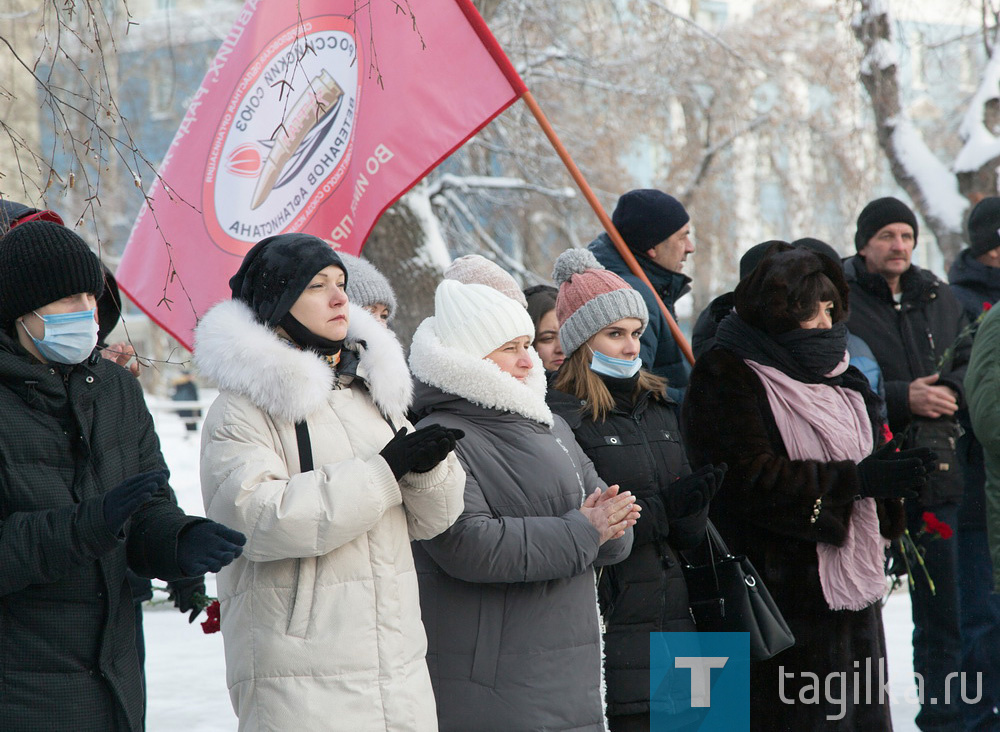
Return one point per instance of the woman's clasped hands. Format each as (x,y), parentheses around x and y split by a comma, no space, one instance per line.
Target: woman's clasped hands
(610,513)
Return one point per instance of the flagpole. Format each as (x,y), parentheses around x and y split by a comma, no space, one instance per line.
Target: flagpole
(616,238)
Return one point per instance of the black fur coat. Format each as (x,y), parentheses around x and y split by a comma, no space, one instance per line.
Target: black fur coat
(763,511)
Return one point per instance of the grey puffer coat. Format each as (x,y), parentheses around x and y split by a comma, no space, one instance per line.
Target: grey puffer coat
(507,593)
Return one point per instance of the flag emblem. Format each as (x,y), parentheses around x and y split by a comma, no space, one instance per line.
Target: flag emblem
(286,135)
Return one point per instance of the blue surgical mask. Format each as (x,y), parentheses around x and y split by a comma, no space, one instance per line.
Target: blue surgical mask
(616,368)
(69,337)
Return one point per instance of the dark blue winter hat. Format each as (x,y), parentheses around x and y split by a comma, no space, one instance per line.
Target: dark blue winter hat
(645,217)
(984,226)
(276,271)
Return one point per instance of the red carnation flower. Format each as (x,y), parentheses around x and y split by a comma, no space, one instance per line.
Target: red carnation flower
(986,306)
(211,624)
(934,525)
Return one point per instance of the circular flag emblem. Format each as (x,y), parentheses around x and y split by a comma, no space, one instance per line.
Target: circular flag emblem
(286,136)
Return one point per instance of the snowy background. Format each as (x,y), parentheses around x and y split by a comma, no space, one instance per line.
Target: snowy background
(186,669)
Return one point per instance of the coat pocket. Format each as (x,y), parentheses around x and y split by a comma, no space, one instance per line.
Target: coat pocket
(487,653)
(303,593)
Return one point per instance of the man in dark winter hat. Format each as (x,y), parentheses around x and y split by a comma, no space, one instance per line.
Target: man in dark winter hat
(657,229)
(912,323)
(84,493)
(975,280)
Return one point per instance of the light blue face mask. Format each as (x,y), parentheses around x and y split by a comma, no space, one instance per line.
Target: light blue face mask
(616,368)
(69,337)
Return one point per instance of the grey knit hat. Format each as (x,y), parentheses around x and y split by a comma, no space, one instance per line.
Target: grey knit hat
(366,286)
(590,298)
(473,269)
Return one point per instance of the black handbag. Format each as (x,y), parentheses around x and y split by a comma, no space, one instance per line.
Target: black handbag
(727,596)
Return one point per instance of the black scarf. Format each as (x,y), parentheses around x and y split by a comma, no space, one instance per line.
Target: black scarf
(305,338)
(804,354)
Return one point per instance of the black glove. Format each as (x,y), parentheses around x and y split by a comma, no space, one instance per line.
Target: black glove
(419,451)
(688,495)
(125,498)
(207,547)
(890,474)
(185,592)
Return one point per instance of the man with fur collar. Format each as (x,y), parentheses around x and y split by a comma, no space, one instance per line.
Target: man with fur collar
(912,322)
(308,451)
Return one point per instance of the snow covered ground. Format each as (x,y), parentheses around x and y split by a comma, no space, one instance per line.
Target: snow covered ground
(186,669)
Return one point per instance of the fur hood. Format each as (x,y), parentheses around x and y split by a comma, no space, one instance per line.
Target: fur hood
(241,355)
(478,380)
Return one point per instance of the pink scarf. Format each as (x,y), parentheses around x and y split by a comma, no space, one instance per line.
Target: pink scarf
(830,423)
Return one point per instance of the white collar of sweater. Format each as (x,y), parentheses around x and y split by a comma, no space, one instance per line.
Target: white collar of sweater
(244,356)
(478,380)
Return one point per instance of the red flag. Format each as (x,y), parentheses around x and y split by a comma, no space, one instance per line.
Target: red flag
(314,118)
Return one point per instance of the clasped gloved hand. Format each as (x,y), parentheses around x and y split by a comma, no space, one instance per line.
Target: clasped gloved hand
(890,474)
(421,450)
(185,592)
(207,547)
(688,495)
(125,498)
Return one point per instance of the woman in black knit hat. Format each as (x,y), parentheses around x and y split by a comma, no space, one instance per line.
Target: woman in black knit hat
(308,451)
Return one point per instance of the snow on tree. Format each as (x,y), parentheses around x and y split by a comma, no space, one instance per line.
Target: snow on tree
(940,188)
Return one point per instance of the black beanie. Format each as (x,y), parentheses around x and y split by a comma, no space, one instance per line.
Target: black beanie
(646,217)
(984,226)
(276,271)
(819,247)
(752,256)
(41,262)
(880,213)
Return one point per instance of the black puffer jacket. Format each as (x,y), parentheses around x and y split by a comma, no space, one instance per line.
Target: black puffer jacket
(67,657)
(908,338)
(638,447)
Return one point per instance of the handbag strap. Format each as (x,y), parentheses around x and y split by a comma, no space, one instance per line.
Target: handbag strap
(715,540)
(305,446)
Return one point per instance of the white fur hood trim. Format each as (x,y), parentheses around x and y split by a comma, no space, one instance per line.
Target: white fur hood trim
(246,357)
(478,380)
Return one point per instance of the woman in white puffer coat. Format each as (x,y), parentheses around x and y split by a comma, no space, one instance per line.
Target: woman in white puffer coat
(304,452)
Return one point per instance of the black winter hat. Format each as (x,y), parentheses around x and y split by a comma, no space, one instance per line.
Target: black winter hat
(276,271)
(880,213)
(984,226)
(645,217)
(41,262)
(109,307)
(819,247)
(751,258)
